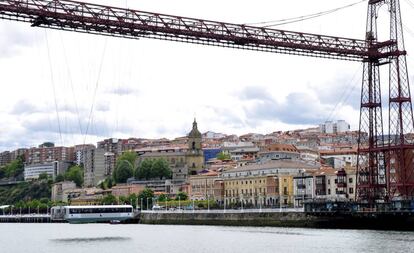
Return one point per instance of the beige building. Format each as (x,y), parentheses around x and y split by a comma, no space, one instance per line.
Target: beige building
(126,190)
(286,190)
(201,187)
(183,161)
(252,190)
(60,191)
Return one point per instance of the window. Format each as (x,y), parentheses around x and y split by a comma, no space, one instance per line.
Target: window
(350,180)
(329,182)
(329,191)
(285,180)
(351,190)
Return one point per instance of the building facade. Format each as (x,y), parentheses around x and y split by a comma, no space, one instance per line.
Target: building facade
(33,171)
(94,166)
(59,191)
(330,127)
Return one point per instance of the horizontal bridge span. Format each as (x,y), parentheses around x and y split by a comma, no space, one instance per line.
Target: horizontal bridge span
(119,22)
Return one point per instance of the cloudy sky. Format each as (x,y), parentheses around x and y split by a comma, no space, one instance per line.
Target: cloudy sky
(72,88)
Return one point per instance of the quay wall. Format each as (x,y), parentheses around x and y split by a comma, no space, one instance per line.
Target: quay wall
(289,219)
(374,220)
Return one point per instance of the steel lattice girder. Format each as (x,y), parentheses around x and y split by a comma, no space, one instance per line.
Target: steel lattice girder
(112,21)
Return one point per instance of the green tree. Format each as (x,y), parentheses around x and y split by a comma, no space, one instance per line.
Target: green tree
(181,196)
(43,176)
(109,200)
(144,170)
(123,171)
(129,156)
(107,183)
(75,174)
(2,172)
(145,197)
(223,156)
(15,168)
(161,168)
(132,200)
(162,197)
(149,169)
(59,178)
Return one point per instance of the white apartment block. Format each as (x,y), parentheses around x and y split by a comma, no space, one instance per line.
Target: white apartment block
(33,171)
(330,127)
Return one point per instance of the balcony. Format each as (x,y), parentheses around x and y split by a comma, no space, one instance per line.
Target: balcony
(341,185)
(301,186)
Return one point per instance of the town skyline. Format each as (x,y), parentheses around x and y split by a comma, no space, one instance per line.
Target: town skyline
(205,134)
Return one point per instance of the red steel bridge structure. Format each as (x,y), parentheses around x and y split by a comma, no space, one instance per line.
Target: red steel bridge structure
(385,170)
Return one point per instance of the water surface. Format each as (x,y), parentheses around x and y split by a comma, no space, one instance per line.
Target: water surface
(102,238)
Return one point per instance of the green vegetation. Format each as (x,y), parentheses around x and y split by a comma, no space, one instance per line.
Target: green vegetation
(14,169)
(146,197)
(223,156)
(107,183)
(123,171)
(198,204)
(163,197)
(124,168)
(59,178)
(25,191)
(129,156)
(75,174)
(181,196)
(122,200)
(150,169)
(109,200)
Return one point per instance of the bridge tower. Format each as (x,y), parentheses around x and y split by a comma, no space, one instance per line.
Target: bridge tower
(385,170)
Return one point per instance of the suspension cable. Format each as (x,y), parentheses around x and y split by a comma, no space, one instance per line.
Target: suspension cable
(71,82)
(302,18)
(95,91)
(52,79)
(345,95)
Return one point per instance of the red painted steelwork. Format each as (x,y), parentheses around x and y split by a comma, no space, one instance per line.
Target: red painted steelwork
(98,19)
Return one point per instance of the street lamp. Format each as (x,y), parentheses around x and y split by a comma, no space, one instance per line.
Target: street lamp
(141,204)
(242,202)
(208,202)
(260,201)
(179,202)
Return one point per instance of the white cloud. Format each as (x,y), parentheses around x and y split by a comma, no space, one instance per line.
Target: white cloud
(151,88)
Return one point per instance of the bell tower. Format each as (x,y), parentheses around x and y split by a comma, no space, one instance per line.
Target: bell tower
(195,156)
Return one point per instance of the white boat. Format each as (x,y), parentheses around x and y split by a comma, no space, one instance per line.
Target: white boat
(89,214)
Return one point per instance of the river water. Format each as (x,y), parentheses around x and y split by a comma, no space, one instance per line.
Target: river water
(90,238)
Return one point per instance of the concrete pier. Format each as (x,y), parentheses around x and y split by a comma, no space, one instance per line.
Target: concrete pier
(25,218)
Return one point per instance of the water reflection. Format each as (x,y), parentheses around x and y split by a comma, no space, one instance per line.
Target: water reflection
(91,239)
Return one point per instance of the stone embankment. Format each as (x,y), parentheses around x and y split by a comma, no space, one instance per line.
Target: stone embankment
(230,218)
(357,220)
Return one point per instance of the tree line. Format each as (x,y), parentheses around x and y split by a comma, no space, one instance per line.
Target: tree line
(148,169)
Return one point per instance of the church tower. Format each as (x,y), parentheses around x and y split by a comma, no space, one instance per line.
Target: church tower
(195,156)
